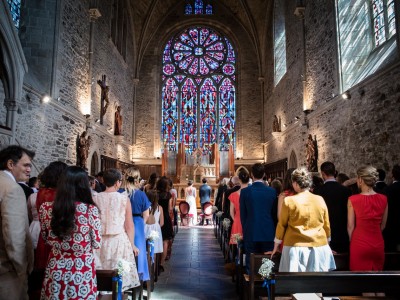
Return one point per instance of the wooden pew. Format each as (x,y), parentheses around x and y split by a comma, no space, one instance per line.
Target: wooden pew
(252,283)
(338,283)
(105,283)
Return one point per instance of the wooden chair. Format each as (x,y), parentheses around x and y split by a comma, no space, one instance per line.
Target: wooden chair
(184,208)
(105,283)
(207,213)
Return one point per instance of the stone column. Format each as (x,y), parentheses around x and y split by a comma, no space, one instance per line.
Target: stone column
(94,14)
(261,80)
(135,84)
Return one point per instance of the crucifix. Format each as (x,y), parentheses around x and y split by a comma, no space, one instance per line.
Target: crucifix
(104,101)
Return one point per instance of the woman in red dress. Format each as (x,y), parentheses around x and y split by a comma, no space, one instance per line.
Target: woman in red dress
(47,193)
(244,178)
(71,226)
(366,218)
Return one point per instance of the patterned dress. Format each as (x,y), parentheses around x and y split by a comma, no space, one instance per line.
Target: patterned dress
(70,271)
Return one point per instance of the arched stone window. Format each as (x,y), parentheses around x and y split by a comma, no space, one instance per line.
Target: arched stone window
(198,91)
(198,7)
(366,38)
(292,160)
(15,9)
(279,41)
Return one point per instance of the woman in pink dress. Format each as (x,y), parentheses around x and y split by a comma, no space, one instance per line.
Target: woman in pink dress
(366,218)
(244,178)
(71,226)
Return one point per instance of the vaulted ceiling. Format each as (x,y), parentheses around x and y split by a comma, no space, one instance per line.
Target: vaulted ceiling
(149,15)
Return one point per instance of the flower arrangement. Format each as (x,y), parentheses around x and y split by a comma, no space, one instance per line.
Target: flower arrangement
(266,268)
(226,223)
(123,267)
(214,209)
(153,235)
(219,214)
(237,237)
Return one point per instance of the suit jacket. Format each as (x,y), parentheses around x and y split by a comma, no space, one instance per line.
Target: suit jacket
(27,190)
(336,197)
(256,213)
(16,249)
(380,187)
(390,233)
(227,203)
(204,193)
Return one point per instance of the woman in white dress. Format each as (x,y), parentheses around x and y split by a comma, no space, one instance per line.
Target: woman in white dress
(155,220)
(190,194)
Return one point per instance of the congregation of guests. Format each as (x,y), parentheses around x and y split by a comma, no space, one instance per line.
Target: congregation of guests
(72,224)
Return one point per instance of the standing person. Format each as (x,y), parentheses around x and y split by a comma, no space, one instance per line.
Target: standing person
(304,228)
(71,226)
(47,193)
(367,214)
(151,183)
(190,194)
(244,177)
(205,195)
(287,189)
(155,220)
(380,185)
(336,197)
(256,214)
(226,204)
(117,229)
(391,232)
(16,250)
(164,199)
(140,213)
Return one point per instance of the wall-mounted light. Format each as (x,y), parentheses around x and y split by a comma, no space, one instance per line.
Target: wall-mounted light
(296,118)
(285,125)
(307,111)
(346,95)
(97,120)
(58,99)
(46,99)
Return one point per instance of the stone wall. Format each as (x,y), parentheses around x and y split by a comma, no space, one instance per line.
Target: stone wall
(351,133)
(52,129)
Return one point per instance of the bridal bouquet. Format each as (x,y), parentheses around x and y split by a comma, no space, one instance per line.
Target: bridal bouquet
(153,235)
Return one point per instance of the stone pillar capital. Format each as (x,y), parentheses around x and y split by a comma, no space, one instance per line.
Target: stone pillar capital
(94,14)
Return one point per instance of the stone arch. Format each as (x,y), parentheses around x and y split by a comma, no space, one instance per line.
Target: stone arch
(292,160)
(13,65)
(240,168)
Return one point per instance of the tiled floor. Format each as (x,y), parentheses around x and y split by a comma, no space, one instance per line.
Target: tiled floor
(196,268)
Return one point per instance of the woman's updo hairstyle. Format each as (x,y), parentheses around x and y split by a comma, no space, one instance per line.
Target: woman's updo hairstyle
(244,176)
(368,174)
(302,177)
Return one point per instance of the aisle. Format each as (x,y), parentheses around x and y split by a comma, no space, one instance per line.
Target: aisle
(196,269)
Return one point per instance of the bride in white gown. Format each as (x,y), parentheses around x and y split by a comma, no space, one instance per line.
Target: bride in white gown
(190,194)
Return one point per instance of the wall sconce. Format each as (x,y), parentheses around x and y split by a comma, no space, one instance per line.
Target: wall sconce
(97,121)
(46,99)
(296,118)
(346,95)
(307,111)
(285,125)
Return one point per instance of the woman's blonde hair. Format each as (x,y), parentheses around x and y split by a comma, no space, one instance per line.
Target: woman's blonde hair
(368,174)
(302,177)
(130,179)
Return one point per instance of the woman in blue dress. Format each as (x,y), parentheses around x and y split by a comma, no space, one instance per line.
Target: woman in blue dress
(140,213)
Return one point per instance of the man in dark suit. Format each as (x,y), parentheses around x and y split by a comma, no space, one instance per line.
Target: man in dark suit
(391,231)
(380,185)
(256,214)
(226,203)
(27,190)
(336,197)
(205,195)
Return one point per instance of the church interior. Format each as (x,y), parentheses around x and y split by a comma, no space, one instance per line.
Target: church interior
(195,89)
(155,83)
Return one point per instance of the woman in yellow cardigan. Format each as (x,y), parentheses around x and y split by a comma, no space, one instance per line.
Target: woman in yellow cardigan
(304,228)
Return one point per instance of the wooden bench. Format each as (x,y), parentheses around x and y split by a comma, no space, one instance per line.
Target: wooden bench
(337,283)
(331,282)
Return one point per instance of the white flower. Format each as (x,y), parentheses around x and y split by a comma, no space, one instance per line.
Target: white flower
(219,214)
(153,235)
(266,268)
(123,267)
(226,223)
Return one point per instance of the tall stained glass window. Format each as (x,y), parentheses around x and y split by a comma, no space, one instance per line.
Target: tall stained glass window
(15,8)
(198,91)
(384,20)
(279,41)
(198,7)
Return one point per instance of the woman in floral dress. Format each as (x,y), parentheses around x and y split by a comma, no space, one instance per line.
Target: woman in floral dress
(71,226)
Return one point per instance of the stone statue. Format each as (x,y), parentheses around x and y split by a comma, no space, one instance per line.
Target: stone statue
(312,154)
(83,149)
(118,121)
(276,125)
(104,95)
